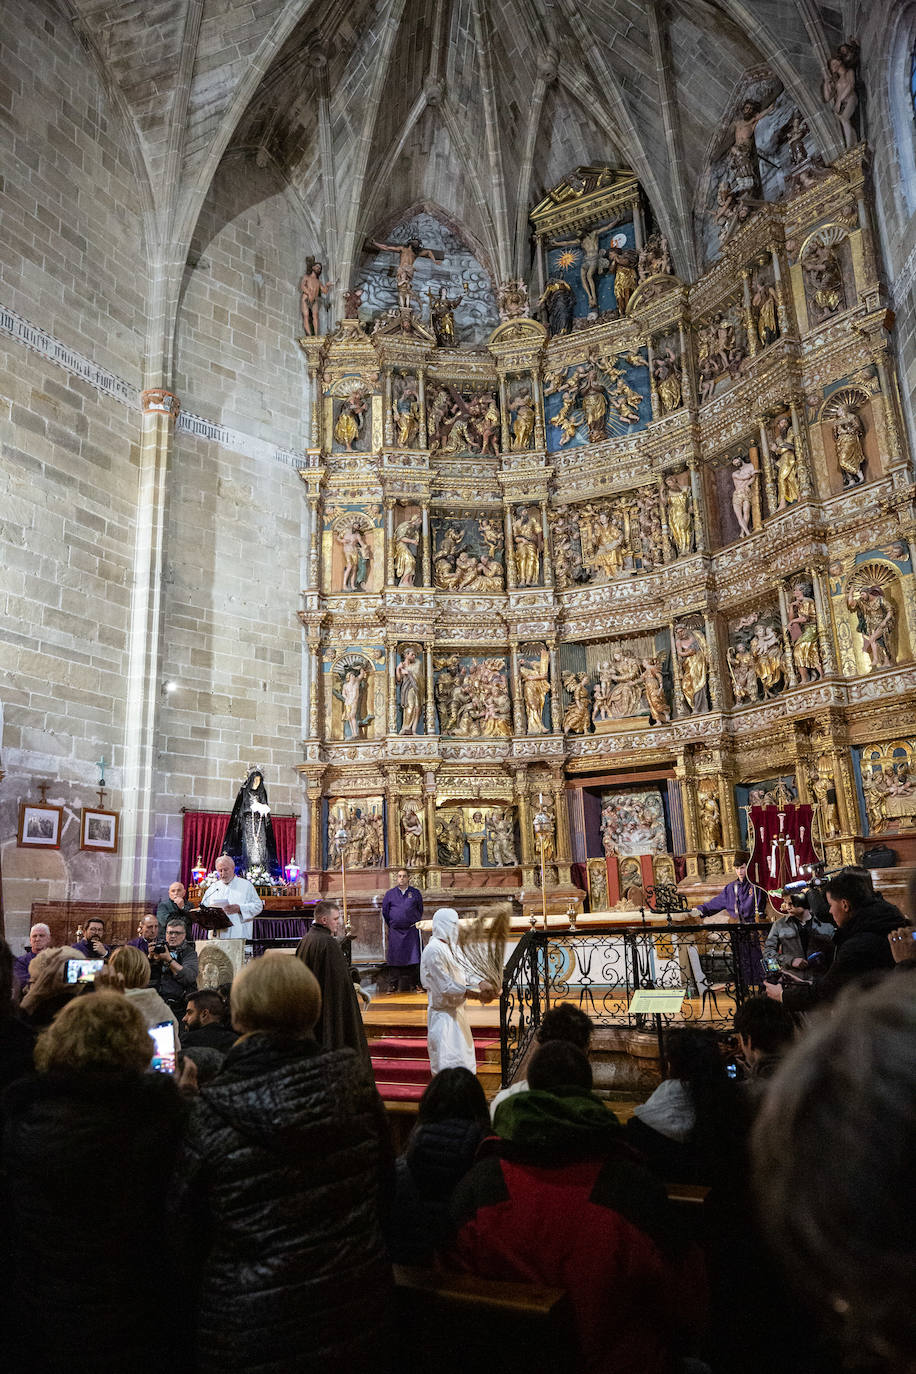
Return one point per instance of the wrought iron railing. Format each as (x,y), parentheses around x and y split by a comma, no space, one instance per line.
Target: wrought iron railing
(718,966)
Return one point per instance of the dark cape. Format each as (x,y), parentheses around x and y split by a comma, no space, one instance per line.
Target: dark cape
(340,1024)
(243,824)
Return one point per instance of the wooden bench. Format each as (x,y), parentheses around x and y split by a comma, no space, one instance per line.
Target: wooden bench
(65,918)
(458,1323)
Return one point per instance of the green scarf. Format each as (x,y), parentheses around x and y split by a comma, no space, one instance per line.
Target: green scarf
(566,1122)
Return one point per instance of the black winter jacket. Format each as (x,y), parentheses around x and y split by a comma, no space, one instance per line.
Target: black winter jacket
(282,1178)
(87,1165)
(861,947)
(438,1156)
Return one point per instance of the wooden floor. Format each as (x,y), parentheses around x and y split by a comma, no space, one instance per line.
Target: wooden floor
(409,1009)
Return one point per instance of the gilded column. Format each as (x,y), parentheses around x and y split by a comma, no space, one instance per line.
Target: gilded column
(653,380)
(556,723)
(314,836)
(730,836)
(668,551)
(701,537)
(392,689)
(686,387)
(824,632)
(504,412)
(432,868)
(750,326)
(518,718)
(537,396)
(678,706)
(803,453)
(314,573)
(786,636)
(390,506)
(779,285)
(511,580)
(523,803)
(769,481)
(427,552)
(712,646)
(423,441)
(546,562)
(314,689)
(888,382)
(388,422)
(430,688)
(314,409)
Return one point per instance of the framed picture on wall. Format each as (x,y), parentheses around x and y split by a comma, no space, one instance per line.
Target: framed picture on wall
(39,826)
(99,829)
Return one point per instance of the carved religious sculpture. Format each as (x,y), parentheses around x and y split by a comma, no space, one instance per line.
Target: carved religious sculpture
(500,835)
(668,381)
(680,512)
(406,544)
(528,540)
(710,819)
(839,88)
(654,689)
(802,625)
(409,679)
(413,837)
(577,716)
(876,614)
(593,261)
(764,303)
(521,408)
(535,678)
(311,291)
(785,460)
(408,253)
(693,659)
(351,535)
(442,309)
(405,412)
(766,652)
(744,475)
(350,420)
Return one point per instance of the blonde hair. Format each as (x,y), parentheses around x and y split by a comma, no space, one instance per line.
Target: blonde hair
(132,964)
(48,975)
(274,994)
(102,1031)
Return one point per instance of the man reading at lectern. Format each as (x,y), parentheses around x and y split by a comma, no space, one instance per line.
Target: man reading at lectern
(235,896)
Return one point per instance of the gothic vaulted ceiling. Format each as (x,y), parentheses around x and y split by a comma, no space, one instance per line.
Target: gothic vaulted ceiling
(368,108)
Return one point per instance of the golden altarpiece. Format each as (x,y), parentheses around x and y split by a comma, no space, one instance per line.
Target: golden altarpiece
(633,563)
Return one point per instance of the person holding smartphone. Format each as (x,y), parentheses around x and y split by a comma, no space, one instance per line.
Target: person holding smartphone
(173,967)
(798,939)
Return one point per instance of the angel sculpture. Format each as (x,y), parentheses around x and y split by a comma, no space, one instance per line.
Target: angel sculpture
(577,717)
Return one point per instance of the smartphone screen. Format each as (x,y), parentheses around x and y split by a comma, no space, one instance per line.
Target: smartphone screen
(164,1055)
(83,970)
(731,1070)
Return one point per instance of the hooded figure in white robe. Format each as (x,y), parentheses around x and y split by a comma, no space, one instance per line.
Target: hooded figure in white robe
(443,974)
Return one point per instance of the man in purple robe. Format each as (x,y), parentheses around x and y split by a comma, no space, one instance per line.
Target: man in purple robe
(92,945)
(743,901)
(402,908)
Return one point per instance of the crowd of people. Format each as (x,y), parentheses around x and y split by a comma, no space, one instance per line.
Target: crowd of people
(245,1212)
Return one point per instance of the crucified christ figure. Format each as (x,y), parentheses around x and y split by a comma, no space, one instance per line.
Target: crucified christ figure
(408,253)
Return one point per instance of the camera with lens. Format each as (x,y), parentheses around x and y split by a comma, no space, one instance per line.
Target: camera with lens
(160,947)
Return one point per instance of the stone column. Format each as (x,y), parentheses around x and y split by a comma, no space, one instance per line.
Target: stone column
(546,562)
(750,325)
(712,645)
(430,703)
(518,715)
(887,380)
(786,636)
(824,620)
(504,412)
(639,232)
(389,542)
(769,481)
(556,716)
(511,578)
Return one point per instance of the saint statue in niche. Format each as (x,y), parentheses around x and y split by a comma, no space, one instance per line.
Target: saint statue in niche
(410,693)
(249,838)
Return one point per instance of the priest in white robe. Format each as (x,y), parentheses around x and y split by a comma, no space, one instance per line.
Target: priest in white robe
(445,978)
(236,896)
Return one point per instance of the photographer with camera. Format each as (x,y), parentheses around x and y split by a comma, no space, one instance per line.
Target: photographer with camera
(173,967)
(864,921)
(798,939)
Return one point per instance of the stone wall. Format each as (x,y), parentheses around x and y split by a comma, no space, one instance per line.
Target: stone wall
(71,262)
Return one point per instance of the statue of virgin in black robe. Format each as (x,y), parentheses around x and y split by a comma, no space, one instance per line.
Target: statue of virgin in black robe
(250,833)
